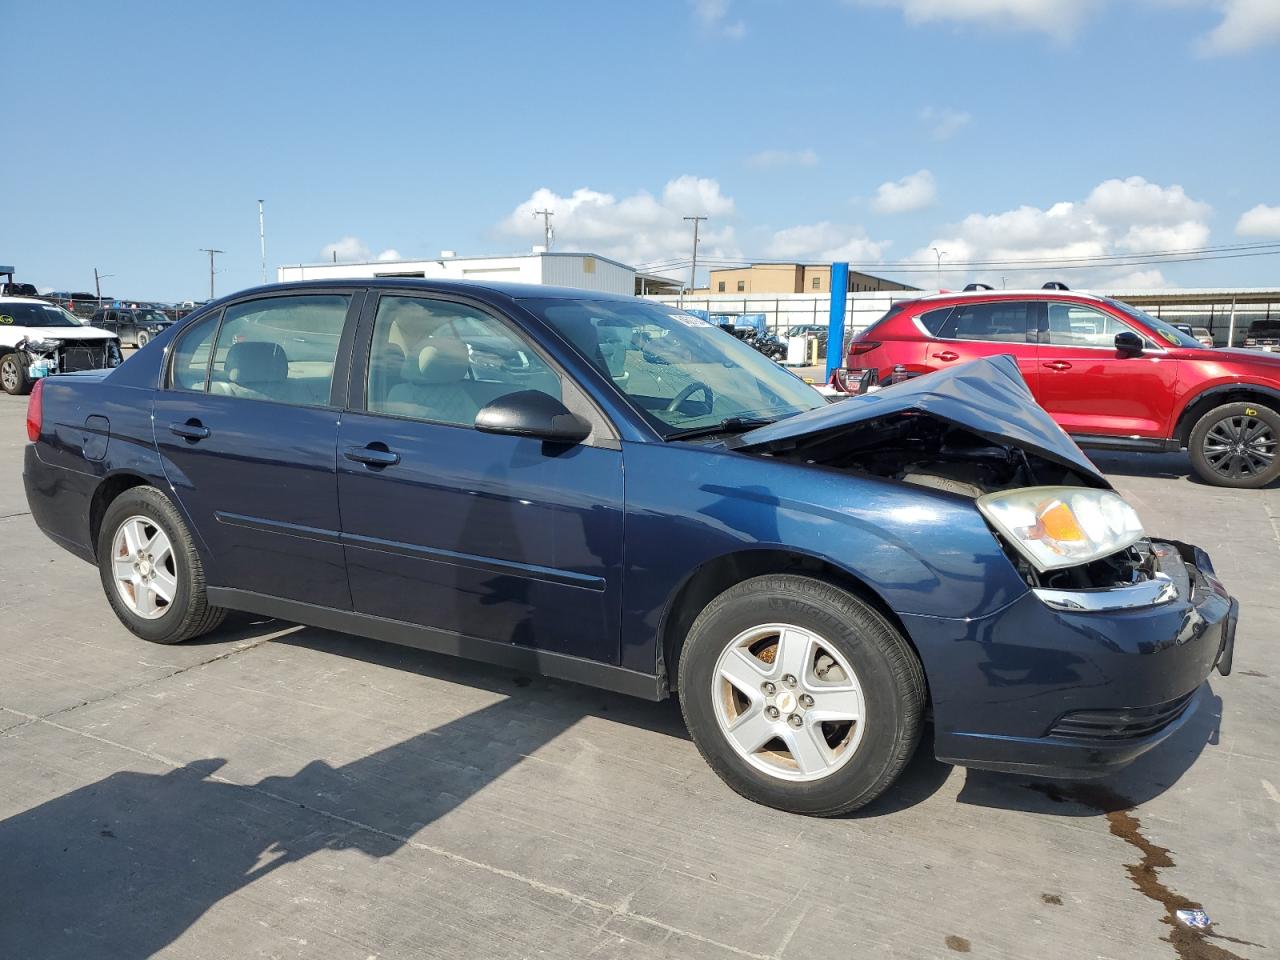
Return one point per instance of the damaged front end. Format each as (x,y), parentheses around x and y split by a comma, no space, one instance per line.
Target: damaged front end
(44,356)
(1101,657)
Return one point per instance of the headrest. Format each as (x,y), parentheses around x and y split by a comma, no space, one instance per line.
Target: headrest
(443,361)
(256,361)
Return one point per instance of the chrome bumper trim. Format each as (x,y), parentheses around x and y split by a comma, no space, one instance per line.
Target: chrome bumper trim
(1160,589)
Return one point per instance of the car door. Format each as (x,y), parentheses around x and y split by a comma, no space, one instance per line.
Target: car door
(1090,387)
(987,329)
(247,424)
(487,536)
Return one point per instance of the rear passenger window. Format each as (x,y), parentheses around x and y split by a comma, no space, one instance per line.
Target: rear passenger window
(440,361)
(191,358)
(1006,321)
(282,349)
(935,320)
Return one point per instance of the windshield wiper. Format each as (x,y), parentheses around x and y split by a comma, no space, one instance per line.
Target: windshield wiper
(727,425)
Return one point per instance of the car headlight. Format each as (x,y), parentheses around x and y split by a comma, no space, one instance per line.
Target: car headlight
(41,346)
(1057,527)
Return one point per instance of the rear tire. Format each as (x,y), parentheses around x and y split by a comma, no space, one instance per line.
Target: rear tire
(13,378)
(834,657)
(1235,445)
(143,538)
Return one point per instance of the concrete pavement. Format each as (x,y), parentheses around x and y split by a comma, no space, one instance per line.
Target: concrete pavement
(278,791)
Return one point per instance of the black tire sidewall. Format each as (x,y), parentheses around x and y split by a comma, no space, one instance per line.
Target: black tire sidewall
(24,385)
(862,636)
(142,340)
(1201,430)
(150,503)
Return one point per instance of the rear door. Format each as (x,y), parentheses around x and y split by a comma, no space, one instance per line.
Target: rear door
(1091,388)
(247,427)
(987,329)
(484,536)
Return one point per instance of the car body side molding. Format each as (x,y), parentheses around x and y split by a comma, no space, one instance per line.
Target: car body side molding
(541,662)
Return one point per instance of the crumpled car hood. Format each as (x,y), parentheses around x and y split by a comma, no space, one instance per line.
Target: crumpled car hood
(986,396)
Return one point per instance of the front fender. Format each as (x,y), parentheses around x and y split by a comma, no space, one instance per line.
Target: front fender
(922,551)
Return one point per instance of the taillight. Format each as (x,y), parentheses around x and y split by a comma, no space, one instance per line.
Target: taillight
(858,347)
(35,411)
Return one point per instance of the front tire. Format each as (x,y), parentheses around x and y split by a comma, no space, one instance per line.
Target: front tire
(800,695)
(13,378)
(143,339)
(1234,445)
(151,571)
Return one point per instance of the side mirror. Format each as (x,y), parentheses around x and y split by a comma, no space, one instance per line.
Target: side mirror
(532,413)
(1128,342)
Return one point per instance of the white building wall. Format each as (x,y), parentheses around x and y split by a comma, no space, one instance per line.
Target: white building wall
(785,310)
(581,271)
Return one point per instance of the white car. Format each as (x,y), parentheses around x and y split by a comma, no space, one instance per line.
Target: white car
(38,338)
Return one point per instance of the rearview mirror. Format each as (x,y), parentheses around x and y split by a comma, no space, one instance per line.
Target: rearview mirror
(532,413)
(1128,342)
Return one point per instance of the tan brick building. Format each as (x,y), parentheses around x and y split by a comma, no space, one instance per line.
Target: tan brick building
(769,278)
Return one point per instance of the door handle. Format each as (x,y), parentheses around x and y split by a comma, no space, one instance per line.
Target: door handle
(374,455)
(1057,365)
(191,430)
(947,355)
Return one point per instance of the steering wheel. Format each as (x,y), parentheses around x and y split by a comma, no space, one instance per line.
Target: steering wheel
(687,392)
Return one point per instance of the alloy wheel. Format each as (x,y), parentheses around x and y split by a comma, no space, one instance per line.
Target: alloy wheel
(1240,446)
(788,702)
(143,567)
(9,374)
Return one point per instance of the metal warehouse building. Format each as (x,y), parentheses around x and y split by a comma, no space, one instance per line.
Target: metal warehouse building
(584,271)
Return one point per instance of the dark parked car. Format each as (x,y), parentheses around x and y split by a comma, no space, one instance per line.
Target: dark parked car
(655,511)
(135,326)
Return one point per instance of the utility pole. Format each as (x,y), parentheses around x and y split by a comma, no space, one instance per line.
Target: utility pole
(939,254)
(97,284)
(693,265)
(211,254)
(262,240)
(546,216)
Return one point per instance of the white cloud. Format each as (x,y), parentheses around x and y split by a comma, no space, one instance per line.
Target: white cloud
(353,249)
(825,241)
(913,192)
(714,17)
(1058,18)
(945,122)
(772,159)
(1118,217)
(1245,24)
(1261,221)
(635,229)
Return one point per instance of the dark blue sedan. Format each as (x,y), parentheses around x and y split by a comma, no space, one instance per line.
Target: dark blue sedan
(611,491)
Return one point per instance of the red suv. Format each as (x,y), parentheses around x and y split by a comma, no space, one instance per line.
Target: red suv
(1111,375)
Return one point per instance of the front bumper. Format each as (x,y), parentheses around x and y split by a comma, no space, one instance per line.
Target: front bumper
(1046,691)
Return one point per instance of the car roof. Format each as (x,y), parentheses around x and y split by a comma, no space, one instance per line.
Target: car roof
(514,291)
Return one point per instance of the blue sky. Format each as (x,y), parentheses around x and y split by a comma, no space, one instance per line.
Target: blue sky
(872,130)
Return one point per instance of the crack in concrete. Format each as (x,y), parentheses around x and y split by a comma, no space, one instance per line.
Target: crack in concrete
(30,718)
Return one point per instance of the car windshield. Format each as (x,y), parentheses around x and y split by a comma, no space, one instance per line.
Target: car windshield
(152,316)
(1167,332)
(683,374)
(35,315)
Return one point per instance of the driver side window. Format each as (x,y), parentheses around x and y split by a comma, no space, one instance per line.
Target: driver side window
(441,361)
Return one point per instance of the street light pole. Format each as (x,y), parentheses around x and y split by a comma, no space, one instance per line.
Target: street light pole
(97,284)
(939,254)
(693,264)
(262,241)
(211,255)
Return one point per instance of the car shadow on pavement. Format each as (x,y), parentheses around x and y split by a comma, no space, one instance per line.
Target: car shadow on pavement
(1161,466)
(123,866)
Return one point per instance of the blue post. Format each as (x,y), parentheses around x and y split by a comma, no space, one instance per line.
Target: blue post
(835,322)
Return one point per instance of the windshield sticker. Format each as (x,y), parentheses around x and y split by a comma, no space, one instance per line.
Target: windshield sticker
(5,318)
(688,319)
(1170,337)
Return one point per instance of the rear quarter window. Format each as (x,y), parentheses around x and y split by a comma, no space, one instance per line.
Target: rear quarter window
(934,320)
